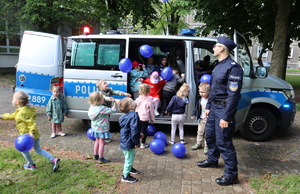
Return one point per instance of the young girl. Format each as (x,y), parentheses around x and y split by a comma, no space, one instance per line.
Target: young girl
(107,93)
(99,115)
(25,120)
(163,62)
(129,137)
(156,84)
(145,109)
(136,77)
(177,108)
(56,111)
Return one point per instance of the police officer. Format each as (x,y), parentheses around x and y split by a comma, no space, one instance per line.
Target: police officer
(226,84)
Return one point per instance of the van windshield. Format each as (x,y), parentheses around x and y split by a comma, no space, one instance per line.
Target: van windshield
(94,55)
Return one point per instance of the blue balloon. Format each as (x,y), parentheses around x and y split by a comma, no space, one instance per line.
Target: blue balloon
(166,73)
(151,130)
(205,78)
(178,149)
(146,50)
(24,143)
(125,65)
(89,134)
(157,146)
(160,135)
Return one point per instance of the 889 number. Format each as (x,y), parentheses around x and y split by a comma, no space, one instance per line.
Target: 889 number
(37,99)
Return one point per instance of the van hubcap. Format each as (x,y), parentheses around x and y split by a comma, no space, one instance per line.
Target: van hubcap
(258,125)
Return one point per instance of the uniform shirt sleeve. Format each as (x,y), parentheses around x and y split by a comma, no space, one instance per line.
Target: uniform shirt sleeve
(234,86)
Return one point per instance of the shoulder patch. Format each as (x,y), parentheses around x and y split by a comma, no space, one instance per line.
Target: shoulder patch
(233,86)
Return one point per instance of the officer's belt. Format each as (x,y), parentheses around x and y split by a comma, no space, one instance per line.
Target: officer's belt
(220,102)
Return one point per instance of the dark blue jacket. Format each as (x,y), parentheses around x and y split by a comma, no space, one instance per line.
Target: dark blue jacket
(177,105)
(130,130)
(226,84)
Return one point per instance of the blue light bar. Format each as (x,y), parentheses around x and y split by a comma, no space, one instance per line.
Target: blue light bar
(286,106)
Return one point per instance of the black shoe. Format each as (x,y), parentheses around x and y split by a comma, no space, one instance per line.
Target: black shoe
(129,179)
(134,171)
(225,181)
(96,157)
(103,160)
(206,164)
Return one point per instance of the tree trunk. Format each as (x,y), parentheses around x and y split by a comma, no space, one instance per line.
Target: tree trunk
(281,39)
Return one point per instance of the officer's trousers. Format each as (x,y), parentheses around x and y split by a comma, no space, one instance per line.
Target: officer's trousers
(219,141)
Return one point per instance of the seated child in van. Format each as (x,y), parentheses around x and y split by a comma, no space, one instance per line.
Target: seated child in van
(136,77)
(163,62)
(156,84)
(177,108)
(170,88)
(199,113)
(150,66)
(107,92)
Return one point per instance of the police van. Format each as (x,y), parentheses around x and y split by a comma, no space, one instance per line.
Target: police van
(76,64)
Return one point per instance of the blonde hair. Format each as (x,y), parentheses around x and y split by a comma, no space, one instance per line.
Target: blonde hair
(55,87)
(21,97)
(205,86)
(100,83)
(144,89)
(125,103)
(96,98)
(183,91)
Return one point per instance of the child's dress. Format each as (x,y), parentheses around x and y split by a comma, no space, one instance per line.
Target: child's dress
(99,115)
(56,109)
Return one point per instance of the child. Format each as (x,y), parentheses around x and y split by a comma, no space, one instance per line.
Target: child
(25,120)
(145,109)
(56,111)
(99,115)
(150,66)
(129,137)
(156,84)
(177,108)
(170,88)
(136,77)
(107,93)
(163,62)
(199,112)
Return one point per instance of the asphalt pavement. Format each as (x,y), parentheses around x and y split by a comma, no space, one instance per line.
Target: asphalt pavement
(165,173)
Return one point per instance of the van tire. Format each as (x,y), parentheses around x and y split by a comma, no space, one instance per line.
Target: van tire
(259,125)
(87,123)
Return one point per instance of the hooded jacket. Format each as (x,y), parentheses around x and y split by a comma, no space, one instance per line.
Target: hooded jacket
(130,130)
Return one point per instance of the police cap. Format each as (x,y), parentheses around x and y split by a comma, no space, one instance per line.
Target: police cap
(227,42)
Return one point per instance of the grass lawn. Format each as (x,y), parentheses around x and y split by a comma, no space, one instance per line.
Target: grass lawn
(74,176)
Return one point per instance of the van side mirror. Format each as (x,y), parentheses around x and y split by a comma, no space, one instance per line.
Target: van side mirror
(261,72)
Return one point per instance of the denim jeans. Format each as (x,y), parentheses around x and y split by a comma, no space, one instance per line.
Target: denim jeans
(39,150)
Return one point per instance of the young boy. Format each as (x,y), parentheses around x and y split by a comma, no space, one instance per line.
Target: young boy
(199,113)
(129,137)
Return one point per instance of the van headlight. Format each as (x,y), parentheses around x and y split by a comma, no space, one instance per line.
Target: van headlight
(289,93)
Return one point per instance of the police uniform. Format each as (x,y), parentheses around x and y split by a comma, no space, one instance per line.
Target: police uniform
(226,84)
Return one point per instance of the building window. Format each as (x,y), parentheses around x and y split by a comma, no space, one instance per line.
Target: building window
(9,43)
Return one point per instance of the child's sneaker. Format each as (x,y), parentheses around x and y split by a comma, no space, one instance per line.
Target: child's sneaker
(107,140)
(182,141)
(205,151)
(144,145)
(134,171)
(103,160)
(96,157)
(129,179)
(196,146)
(52,135)
(55,164)
(61,134)
(171,142)
(29,167)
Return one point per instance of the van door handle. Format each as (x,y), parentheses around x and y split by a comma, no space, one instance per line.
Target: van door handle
(117,75)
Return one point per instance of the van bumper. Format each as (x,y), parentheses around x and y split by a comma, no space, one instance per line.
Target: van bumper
(288,112)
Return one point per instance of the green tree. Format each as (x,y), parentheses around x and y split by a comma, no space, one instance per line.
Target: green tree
(255,19)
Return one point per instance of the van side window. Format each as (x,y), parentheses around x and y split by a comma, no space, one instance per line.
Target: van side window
(102,55)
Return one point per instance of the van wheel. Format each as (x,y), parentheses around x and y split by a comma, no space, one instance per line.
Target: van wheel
(259,125)
(87,123)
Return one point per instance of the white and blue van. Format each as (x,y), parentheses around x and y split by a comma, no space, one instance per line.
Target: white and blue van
(76,64)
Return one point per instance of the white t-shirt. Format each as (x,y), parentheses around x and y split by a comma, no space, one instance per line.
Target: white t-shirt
(203,103)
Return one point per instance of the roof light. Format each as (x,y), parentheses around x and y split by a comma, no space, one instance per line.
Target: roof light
(86,30)
(187,32)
